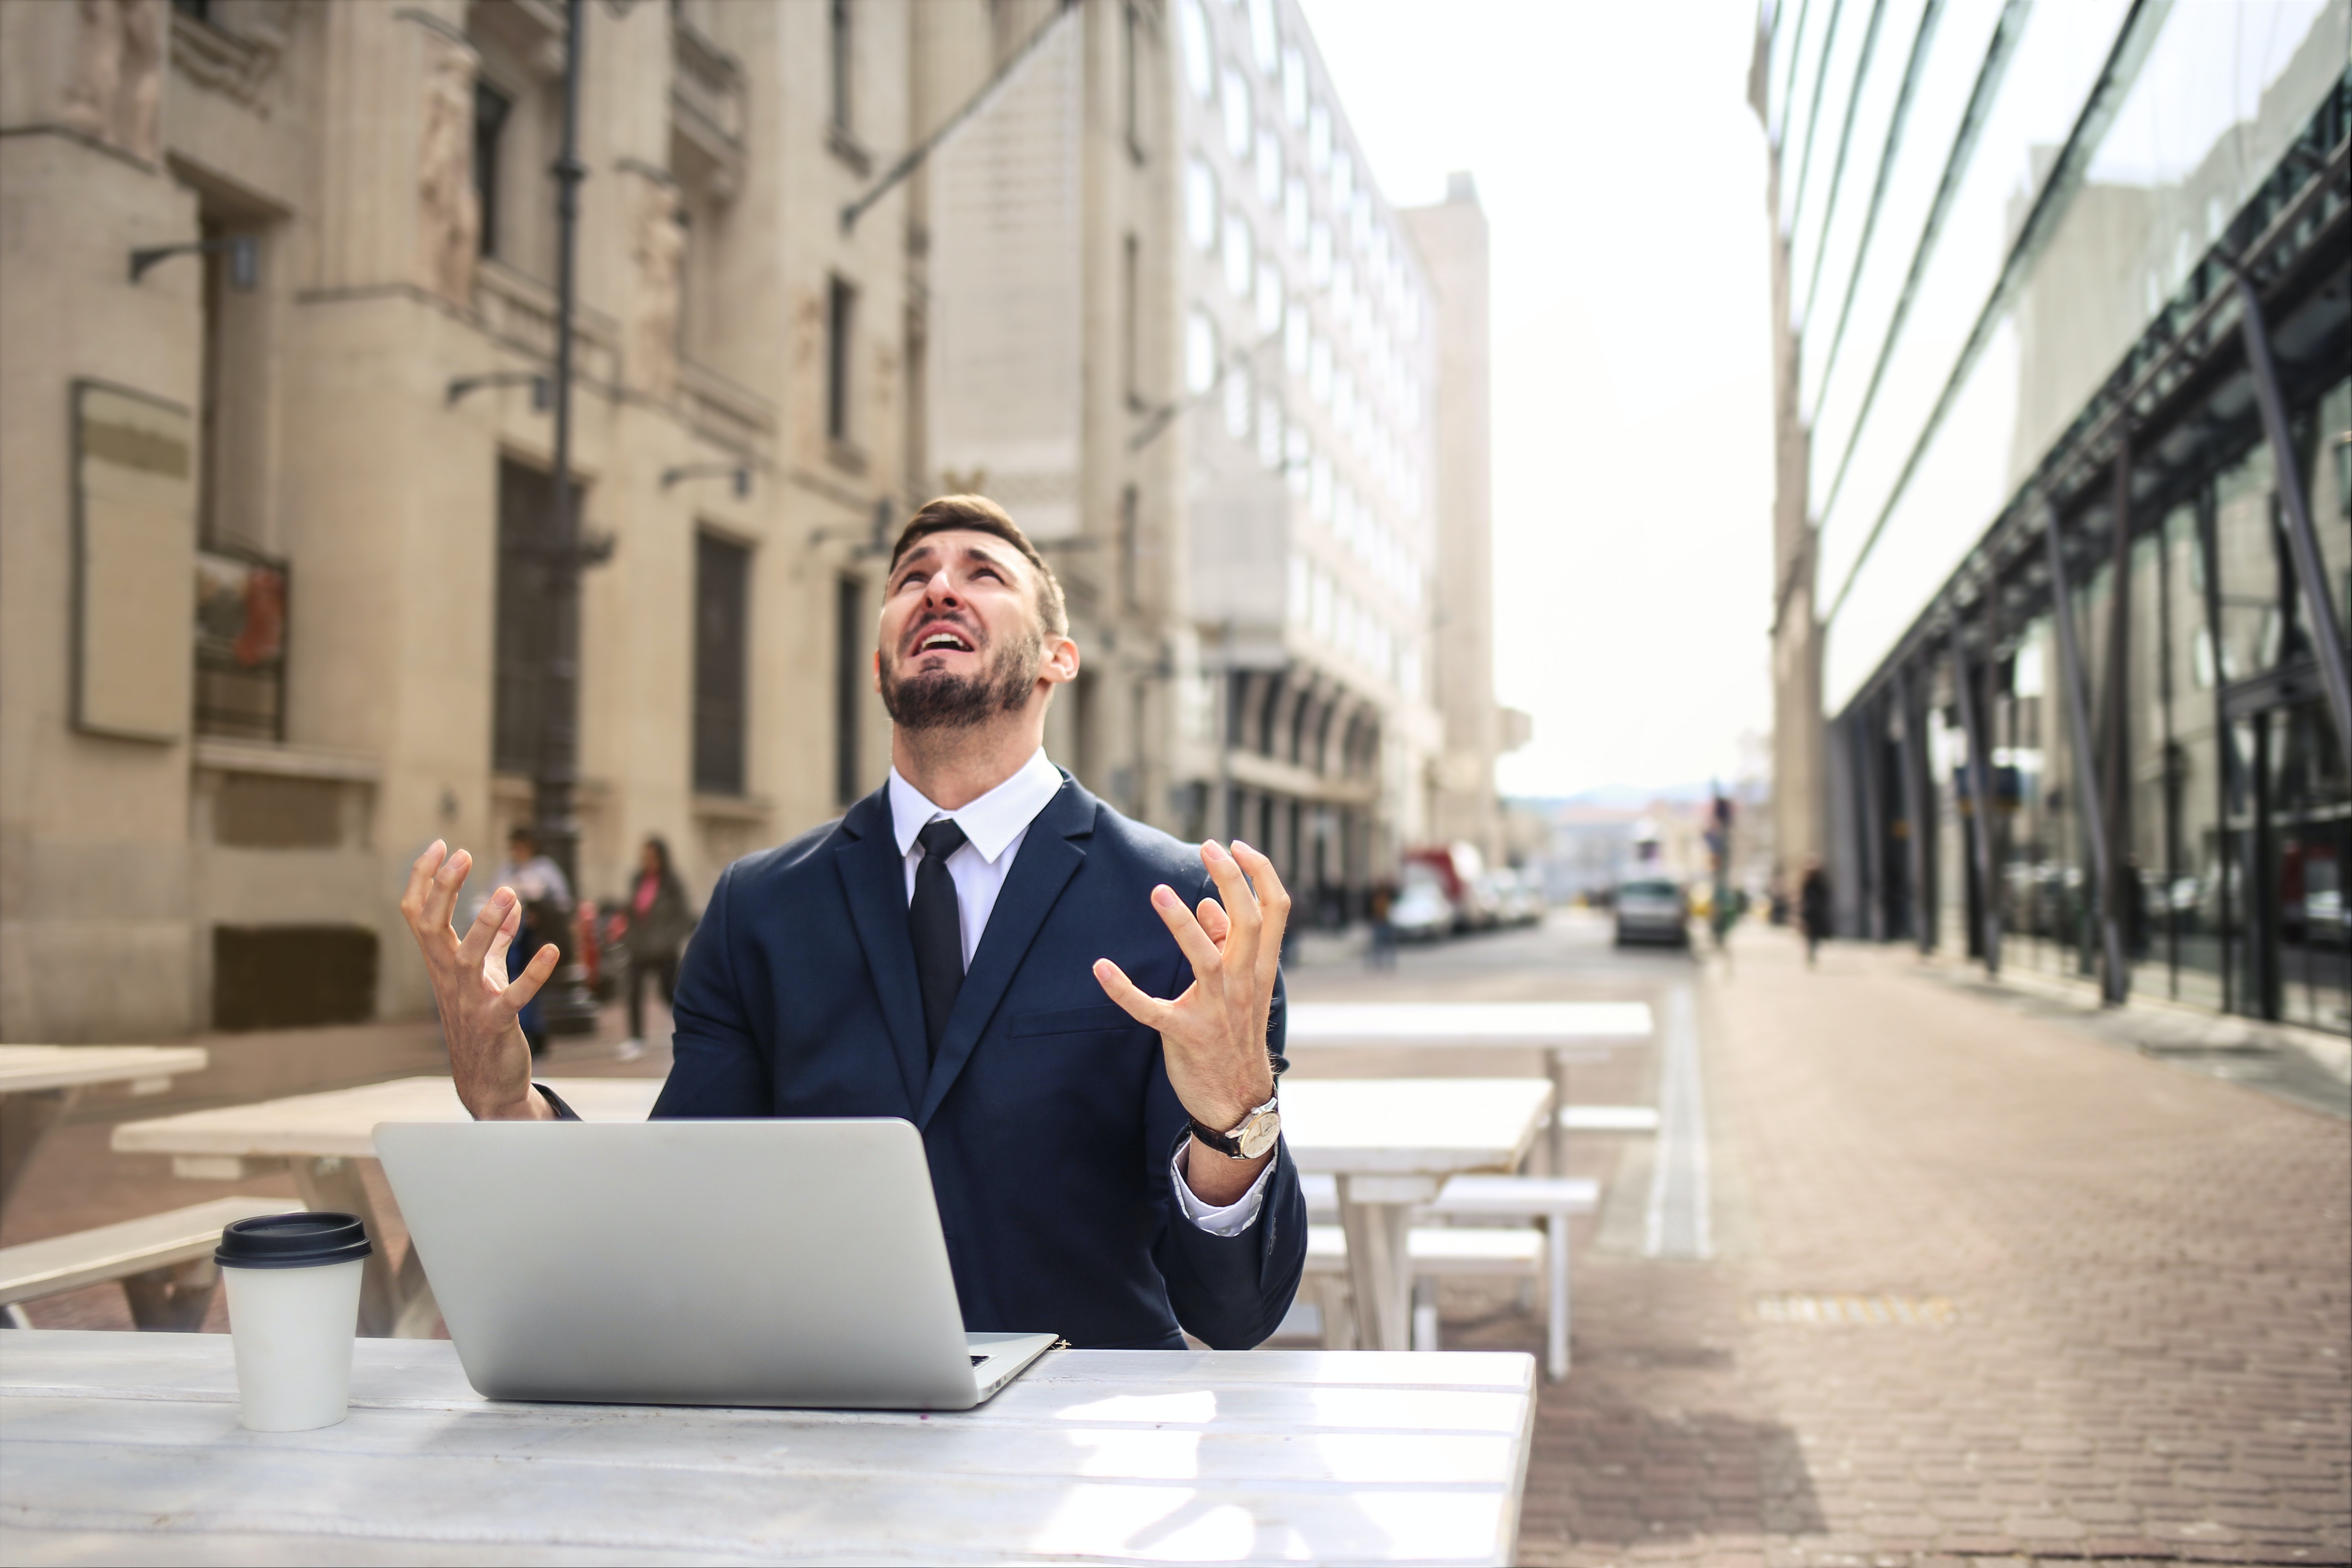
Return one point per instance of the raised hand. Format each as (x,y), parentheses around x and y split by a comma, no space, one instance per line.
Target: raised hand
(489,1057)
(1213,1037)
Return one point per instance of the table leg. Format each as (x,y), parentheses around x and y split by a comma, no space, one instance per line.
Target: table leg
(1378,1270)
(1556,1304)
(25,1121)
(334,1184)
(1556,1143)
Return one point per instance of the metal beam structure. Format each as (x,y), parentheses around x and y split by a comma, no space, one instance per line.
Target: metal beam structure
(1913,760)
(2114,980)
(2303,545)
(1980,813)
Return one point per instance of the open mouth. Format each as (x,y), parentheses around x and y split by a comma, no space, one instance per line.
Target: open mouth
(942,640)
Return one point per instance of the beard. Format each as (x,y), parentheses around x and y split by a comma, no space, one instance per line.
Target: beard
(935,699)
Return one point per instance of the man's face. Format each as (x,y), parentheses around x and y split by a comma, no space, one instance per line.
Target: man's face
(961,640)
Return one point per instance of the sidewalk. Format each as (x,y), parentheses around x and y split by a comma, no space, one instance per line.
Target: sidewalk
(2142,1278)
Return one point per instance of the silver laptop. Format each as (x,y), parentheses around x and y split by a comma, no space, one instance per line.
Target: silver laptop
(794,1263)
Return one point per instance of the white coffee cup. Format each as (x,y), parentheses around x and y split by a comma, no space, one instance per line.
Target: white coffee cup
(293,1312)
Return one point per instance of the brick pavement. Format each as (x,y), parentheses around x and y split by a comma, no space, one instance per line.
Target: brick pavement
(2149,1273)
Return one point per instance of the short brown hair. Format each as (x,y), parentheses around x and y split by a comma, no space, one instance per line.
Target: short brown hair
(977,515)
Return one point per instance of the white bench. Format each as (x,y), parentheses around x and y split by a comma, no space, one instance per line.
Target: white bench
(164,1261)
(1463,1251)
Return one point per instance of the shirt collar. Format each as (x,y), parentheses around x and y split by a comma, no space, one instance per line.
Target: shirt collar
(990,823)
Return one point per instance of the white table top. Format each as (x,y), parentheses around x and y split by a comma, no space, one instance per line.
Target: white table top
(119,1447)
(1355,1126)
(1411,1126)
(24,1069)
(342,1121)
(1546,1023)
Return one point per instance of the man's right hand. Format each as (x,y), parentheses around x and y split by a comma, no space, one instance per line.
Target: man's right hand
(489,1057)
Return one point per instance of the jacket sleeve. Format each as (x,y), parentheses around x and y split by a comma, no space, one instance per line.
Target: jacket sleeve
(719,1064)
(1230,1293)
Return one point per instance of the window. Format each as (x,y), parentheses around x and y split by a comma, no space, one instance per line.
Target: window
(1239,394)
(852,644)
(1200,351)
(1294,341)
(1266,39)
(840,56)
(1269,170)
(1130,545)
(521,638)
(1269,431)
(1294,215)
(1318,368)
(1318,137)
(1343,179)
(1200,205)
(1200,63)
(1319,251)
(1319,488)
(1241,255)
(490,109)
(1294,87)
(840,322)
(1269,299)
(721,663)
(1241,124)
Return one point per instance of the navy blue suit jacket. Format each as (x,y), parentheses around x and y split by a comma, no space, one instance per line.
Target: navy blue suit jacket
(1049,1118)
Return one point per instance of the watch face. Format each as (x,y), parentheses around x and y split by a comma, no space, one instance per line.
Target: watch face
(1259,1134)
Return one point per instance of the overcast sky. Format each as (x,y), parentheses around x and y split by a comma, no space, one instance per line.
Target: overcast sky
(1622,177)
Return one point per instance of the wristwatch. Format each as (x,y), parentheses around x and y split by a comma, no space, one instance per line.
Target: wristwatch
(1251,1137)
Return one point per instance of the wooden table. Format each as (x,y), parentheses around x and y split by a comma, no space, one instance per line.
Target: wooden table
(323,1139)
(1569,1034)
(1392,1142)
(38,1084)
(121,1447)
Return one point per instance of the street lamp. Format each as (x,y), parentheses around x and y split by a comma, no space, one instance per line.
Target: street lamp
(568,1007)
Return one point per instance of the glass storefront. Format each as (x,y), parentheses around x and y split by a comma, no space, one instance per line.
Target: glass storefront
(2228,801)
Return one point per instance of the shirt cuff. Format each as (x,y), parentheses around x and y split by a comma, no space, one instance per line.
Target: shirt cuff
(1230,1220)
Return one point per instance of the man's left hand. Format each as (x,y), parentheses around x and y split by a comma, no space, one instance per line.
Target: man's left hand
(1212,1037)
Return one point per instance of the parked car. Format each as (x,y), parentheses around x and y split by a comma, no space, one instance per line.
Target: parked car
(1523,897)
(1652,909)
(1422,911)
(1460,872)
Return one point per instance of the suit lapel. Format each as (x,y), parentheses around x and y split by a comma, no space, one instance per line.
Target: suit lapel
(873,879)
(1048,857)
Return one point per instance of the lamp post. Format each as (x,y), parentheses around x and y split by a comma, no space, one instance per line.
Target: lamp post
(568,1008)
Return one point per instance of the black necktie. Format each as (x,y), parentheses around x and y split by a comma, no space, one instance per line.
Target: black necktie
(937,926)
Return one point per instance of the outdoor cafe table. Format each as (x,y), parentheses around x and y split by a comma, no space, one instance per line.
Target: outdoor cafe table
(1569,1034)
(323,1138)
(125,1447)
(38,1085)
(1392,1142)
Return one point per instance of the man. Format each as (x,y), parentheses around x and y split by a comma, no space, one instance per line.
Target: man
(545,900)
(1813,907)
(982,947)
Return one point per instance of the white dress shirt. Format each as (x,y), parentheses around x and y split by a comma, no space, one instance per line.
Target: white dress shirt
(993,826)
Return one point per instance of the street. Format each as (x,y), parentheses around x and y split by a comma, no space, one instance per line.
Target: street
(2128,1281)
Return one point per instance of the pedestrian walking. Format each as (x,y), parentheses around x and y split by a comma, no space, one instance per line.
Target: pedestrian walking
(660,923)
(546,901)
(1813,907)
(1384,953)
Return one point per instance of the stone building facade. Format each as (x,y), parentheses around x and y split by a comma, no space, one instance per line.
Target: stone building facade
(329,420)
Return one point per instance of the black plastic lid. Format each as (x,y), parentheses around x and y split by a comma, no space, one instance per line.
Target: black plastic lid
(295,1240)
